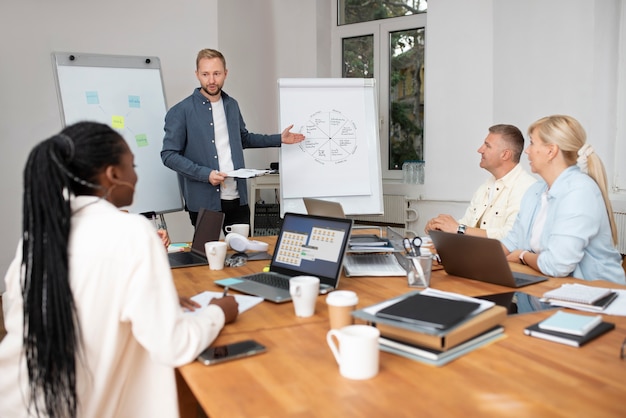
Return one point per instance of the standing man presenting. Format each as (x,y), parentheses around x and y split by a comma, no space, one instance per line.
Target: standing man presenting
(495,204)
(205,136)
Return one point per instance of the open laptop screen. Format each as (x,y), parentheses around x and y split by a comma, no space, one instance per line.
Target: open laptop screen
(311,245)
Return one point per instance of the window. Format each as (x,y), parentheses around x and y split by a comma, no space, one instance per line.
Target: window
(385,41)
(357,11)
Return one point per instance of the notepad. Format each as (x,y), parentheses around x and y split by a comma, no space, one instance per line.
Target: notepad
(579,293)
(570,323)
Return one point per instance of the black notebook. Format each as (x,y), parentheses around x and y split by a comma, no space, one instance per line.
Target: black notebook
(429,311)
(569,339)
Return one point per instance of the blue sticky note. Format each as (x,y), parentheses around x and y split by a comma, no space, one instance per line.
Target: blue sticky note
(92,97)
(228,282)
(133,101)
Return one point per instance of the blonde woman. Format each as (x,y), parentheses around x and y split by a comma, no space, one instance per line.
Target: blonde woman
(565,226)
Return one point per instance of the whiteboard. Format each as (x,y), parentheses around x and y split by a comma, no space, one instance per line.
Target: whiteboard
(339,160)
(126,93)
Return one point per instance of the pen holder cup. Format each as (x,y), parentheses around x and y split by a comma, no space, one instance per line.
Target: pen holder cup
(418,274)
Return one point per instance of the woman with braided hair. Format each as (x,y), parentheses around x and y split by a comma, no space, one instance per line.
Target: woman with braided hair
(94,325)
(565,226)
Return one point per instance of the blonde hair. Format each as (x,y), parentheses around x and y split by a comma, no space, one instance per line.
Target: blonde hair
(569,135)
(210,53)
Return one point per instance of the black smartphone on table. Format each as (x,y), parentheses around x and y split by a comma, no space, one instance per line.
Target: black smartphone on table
(227,352)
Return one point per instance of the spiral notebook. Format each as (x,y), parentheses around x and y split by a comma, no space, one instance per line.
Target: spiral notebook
(579,296)
(579,293)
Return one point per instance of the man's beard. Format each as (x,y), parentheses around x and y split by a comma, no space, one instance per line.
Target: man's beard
(216,94)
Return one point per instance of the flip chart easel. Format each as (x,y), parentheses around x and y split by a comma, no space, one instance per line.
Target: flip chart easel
(340,158)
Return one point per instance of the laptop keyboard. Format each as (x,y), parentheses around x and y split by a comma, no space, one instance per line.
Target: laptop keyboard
(270,280)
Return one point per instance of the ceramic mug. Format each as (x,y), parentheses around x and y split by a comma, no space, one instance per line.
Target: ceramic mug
(215,254)
(304,291)
(357,350)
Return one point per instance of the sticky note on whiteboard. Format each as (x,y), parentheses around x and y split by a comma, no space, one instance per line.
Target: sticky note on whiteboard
(142,140)
(117,122)
(92,97)
(134,101)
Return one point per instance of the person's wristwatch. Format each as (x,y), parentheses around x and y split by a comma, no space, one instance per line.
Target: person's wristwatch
(521,257)
(461,229)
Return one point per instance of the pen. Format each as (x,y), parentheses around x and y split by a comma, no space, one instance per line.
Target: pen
(225,291)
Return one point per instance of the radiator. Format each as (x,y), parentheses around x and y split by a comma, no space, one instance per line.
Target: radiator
(395,211)
(620,221)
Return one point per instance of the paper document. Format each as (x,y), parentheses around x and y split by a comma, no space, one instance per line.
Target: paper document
(245,302)
(246,173)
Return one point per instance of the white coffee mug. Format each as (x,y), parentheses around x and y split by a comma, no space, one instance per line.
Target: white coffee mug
(304,291)
(357,353)
(216,254)
(241,229)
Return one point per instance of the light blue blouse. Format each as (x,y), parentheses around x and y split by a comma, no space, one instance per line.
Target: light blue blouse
(576,239)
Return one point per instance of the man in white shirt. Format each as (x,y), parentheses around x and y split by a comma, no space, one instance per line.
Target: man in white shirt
(495,204)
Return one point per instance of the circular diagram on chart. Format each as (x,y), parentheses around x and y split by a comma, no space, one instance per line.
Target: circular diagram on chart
(330,137)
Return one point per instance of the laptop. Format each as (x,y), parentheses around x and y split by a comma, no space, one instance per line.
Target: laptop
(307,245)
(208,228)
(321,207)
(478,258)
(383,264)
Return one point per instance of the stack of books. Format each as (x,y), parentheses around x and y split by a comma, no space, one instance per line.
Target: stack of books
(434,327)
(569,328)
(582,297)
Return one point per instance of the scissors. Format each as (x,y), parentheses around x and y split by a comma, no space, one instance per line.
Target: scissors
(412,246)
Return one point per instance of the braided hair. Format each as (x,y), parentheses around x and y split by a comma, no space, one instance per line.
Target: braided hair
(65,164)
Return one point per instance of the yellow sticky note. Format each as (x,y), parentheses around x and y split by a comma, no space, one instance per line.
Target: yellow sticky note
(117,122)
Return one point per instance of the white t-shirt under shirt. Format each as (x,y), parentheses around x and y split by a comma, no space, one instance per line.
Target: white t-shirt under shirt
(222,143)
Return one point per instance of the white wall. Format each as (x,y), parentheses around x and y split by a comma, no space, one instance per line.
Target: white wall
(259,39)
(31,31)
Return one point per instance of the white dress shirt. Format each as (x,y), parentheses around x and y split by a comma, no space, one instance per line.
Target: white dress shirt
(133,329)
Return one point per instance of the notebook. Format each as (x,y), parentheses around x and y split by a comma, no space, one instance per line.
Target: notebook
(379,264)
(208,228)
(478,258)
(429,311)
(323,207)
(307,245)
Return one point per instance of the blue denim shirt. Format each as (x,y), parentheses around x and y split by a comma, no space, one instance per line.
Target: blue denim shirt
(576,239)
(189,148)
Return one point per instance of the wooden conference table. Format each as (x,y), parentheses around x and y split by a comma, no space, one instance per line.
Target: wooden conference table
(516,376)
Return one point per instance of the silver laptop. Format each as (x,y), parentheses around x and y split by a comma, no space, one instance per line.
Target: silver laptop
(208,228)
(478,258)
(321,207)
(392,263)
(307,245)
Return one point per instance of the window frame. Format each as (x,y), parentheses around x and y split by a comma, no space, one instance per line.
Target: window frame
(380,29)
